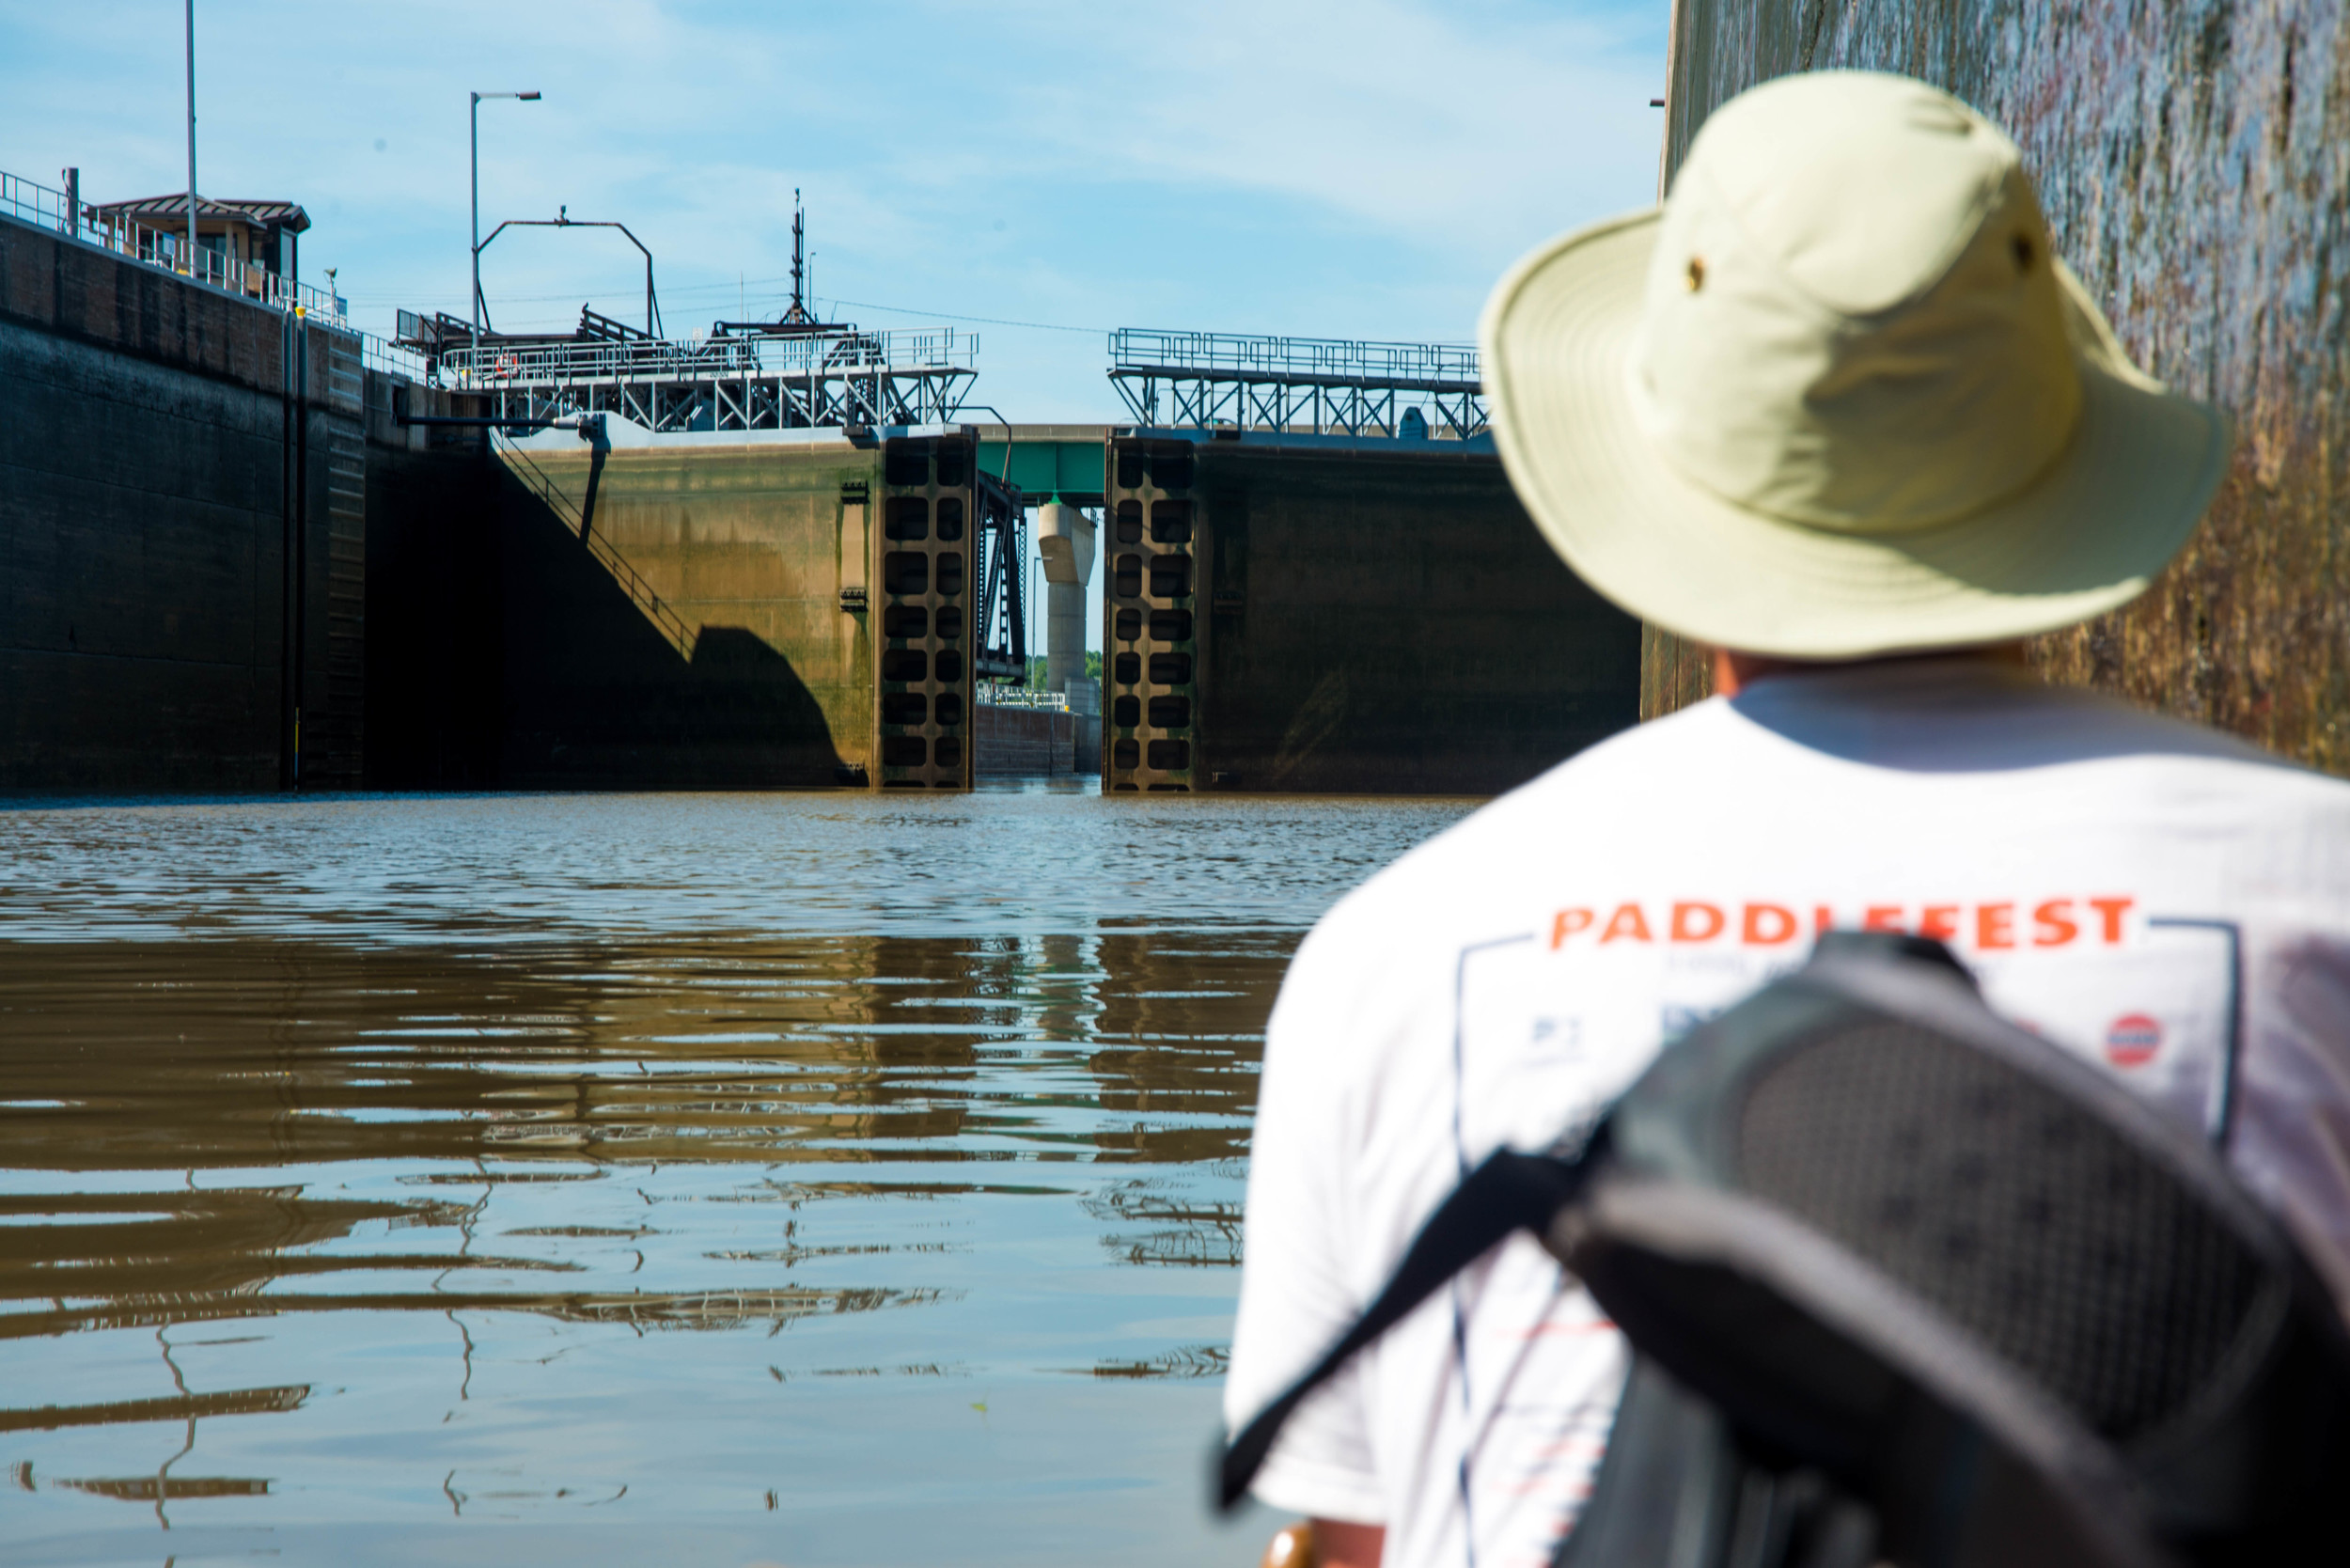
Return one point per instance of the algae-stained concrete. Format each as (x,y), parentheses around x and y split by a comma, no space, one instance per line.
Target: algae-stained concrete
(673,614)
(1341,616)
(2194,160)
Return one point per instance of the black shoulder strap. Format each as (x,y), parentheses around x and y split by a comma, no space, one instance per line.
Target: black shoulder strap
(1509,1192)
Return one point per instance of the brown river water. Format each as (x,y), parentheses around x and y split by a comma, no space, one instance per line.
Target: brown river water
(635,1179)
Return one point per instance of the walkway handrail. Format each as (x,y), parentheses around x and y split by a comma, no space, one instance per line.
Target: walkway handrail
(32,202)
(992,694)
(1343,359)
(824,355)
(38,204)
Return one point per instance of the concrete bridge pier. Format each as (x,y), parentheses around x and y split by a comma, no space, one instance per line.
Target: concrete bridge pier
(1064,541)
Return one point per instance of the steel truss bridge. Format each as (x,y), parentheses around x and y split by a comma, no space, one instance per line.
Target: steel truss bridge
(1303,385)
(1000,561)
(752,382)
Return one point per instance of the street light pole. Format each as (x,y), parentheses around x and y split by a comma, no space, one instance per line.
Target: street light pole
(473,114)
(191,269)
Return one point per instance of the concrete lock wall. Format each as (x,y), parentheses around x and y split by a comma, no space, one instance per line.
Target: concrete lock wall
(1286,615)
(231,567)
(231,563)
(2194,161)
(182,517)
(434,598)
(698,612)
(671,614)
(1025,741)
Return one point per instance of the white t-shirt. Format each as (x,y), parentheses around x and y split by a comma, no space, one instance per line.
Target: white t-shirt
(2156,897)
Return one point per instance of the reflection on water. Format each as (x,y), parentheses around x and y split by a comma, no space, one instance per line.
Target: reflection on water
(366,1165)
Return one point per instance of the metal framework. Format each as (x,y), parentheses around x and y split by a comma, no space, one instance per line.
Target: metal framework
(1002,553)
(726,382)
(1303,385)
(563,219)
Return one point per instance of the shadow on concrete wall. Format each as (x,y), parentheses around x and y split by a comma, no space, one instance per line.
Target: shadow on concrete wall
(433,620)
(606,685)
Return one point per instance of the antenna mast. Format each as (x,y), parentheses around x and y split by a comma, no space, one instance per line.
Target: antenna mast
(799,303)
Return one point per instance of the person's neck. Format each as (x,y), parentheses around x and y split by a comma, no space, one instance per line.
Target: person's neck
(1734,670)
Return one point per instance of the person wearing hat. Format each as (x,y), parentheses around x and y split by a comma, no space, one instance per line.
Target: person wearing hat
(1837,410)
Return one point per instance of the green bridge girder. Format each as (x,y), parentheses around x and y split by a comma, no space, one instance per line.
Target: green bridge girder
(1049,460)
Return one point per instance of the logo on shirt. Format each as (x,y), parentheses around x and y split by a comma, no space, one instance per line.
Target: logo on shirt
(2132,1039)
(1988,926)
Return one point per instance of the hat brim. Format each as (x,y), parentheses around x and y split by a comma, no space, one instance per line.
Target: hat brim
(2087,535)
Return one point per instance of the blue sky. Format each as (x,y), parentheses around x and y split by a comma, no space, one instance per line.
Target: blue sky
(1356,169)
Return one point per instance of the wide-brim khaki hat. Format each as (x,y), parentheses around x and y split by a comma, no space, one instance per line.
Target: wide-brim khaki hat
(1837,398)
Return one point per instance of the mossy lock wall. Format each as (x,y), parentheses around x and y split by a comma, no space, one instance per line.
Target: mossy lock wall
(2194,162)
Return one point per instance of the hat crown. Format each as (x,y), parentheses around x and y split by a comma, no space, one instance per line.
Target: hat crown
(1851,318)
(1895,178)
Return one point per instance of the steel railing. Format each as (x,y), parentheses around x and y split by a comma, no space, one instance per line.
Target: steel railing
(393,359)
(997,695)
(36,203)
(1322,358)
(640,359)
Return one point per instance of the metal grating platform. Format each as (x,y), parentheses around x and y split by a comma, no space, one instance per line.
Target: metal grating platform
(749,382)
(1302,386)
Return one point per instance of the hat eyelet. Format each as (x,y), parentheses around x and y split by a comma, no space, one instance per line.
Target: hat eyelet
(1694,277)
(2024,251)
